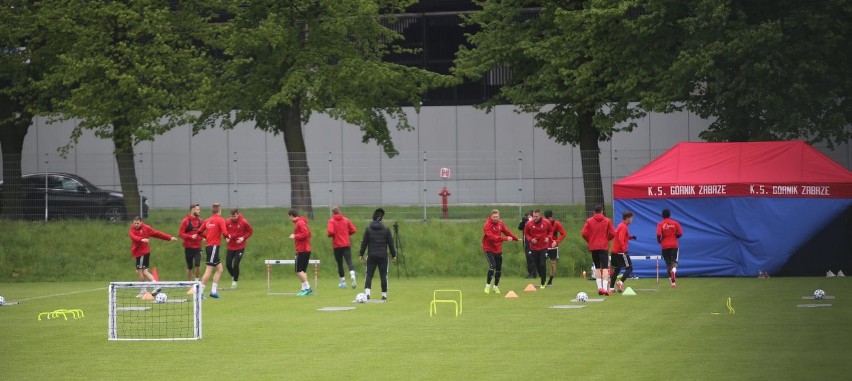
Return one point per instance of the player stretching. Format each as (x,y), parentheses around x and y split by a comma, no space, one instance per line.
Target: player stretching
(668,232)
(140,250)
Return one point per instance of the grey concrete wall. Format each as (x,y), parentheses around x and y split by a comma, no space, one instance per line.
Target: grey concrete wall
(495,158)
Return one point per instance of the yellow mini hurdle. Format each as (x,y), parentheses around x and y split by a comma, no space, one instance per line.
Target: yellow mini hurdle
(433,306)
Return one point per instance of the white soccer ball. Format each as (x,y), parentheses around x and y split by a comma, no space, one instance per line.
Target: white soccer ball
(2,300)
(582,297)
(361,298)
(161,298)
(819,294)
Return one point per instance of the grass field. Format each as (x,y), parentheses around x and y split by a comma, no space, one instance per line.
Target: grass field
(670,334)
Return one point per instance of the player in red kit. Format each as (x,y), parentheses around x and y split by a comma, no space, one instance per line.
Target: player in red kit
(620,259)
(598,231)
(668,232)
(240,230)
(302,240)
(188,231)
(213,229)
(140,250)
(538,232)
(494,232)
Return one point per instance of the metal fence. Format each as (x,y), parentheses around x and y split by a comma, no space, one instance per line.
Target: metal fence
(413,181)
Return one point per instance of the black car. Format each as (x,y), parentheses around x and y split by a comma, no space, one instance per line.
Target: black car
(69,195)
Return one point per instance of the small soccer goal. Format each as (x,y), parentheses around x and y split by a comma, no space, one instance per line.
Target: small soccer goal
(155,311)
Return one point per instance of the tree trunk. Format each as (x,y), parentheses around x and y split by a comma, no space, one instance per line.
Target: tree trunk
(591,160)
(12,134)
(125,159)
(297,158)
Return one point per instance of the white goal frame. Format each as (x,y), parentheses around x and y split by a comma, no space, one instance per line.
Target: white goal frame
(180,288)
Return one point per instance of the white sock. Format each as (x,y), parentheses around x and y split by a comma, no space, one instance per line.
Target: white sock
(144,290)
(384,294)
(367,291)
(202,288)
(342,279)
(488,285)
(598,282)
(352,274)
(196,279)
(215,287)
(306,286)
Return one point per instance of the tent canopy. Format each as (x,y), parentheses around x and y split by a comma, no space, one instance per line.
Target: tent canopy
(744,207)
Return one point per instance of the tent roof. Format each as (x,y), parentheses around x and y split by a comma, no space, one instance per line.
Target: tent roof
(757,169)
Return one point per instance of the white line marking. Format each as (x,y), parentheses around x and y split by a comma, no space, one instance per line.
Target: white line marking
(64,293)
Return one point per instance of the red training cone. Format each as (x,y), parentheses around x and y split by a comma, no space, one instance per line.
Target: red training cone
(154,274)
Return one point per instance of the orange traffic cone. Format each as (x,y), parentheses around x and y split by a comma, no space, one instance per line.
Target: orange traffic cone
(154,274)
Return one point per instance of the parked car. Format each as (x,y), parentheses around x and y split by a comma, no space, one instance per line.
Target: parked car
(70,196)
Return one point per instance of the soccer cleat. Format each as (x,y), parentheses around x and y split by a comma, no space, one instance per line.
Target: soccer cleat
(674,285)
(385,298)
(156,291)
(353,283)
(302,293)
(368,296)
(496,290)
(233,284)
(214,295)
(203,297)
(342,284)
(308,291)
(600,291)
(141,294)
(542,286)
(487,290)
(620,285)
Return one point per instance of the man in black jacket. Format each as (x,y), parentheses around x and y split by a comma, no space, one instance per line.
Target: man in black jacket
(377,240)
(532,266)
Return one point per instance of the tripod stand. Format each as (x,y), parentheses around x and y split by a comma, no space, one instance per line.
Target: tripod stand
(398,245)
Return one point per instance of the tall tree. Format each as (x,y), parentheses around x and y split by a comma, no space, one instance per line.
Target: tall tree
(282,61)
(559,72)
(765,70)
(130,69)
(27,50)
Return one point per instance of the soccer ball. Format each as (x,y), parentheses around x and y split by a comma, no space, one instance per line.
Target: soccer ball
(819,294)
(2,300)
(582,297)
(361,298)
(161,298)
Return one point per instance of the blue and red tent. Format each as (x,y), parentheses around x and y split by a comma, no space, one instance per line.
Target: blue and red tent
(744,207)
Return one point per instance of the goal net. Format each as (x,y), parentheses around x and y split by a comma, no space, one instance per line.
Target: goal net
(155,311)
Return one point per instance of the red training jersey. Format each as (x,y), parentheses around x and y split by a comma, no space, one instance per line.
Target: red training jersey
(668,231)
(189,227)
(493,235)
(598,231)
(237,229)
(558,234)
(213,229)
(139,248)
(622,235)
(339,228)
(302,235)
(541,231)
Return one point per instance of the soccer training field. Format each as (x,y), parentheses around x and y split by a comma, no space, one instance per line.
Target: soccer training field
(669,334)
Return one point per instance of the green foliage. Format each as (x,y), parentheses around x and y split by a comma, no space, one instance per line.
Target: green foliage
(128,69)
(283,337)
(308,57)
(764,71)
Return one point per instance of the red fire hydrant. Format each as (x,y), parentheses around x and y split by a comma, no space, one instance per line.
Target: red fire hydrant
(444,193)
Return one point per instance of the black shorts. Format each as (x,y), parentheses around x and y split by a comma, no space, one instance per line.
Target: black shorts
(600,258)
(671,256)
(553,254)
(143,262)
(214,258)
(193,257)
(302,260)
(620,260)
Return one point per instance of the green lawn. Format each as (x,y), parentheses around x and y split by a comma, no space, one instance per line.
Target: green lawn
(670,334)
